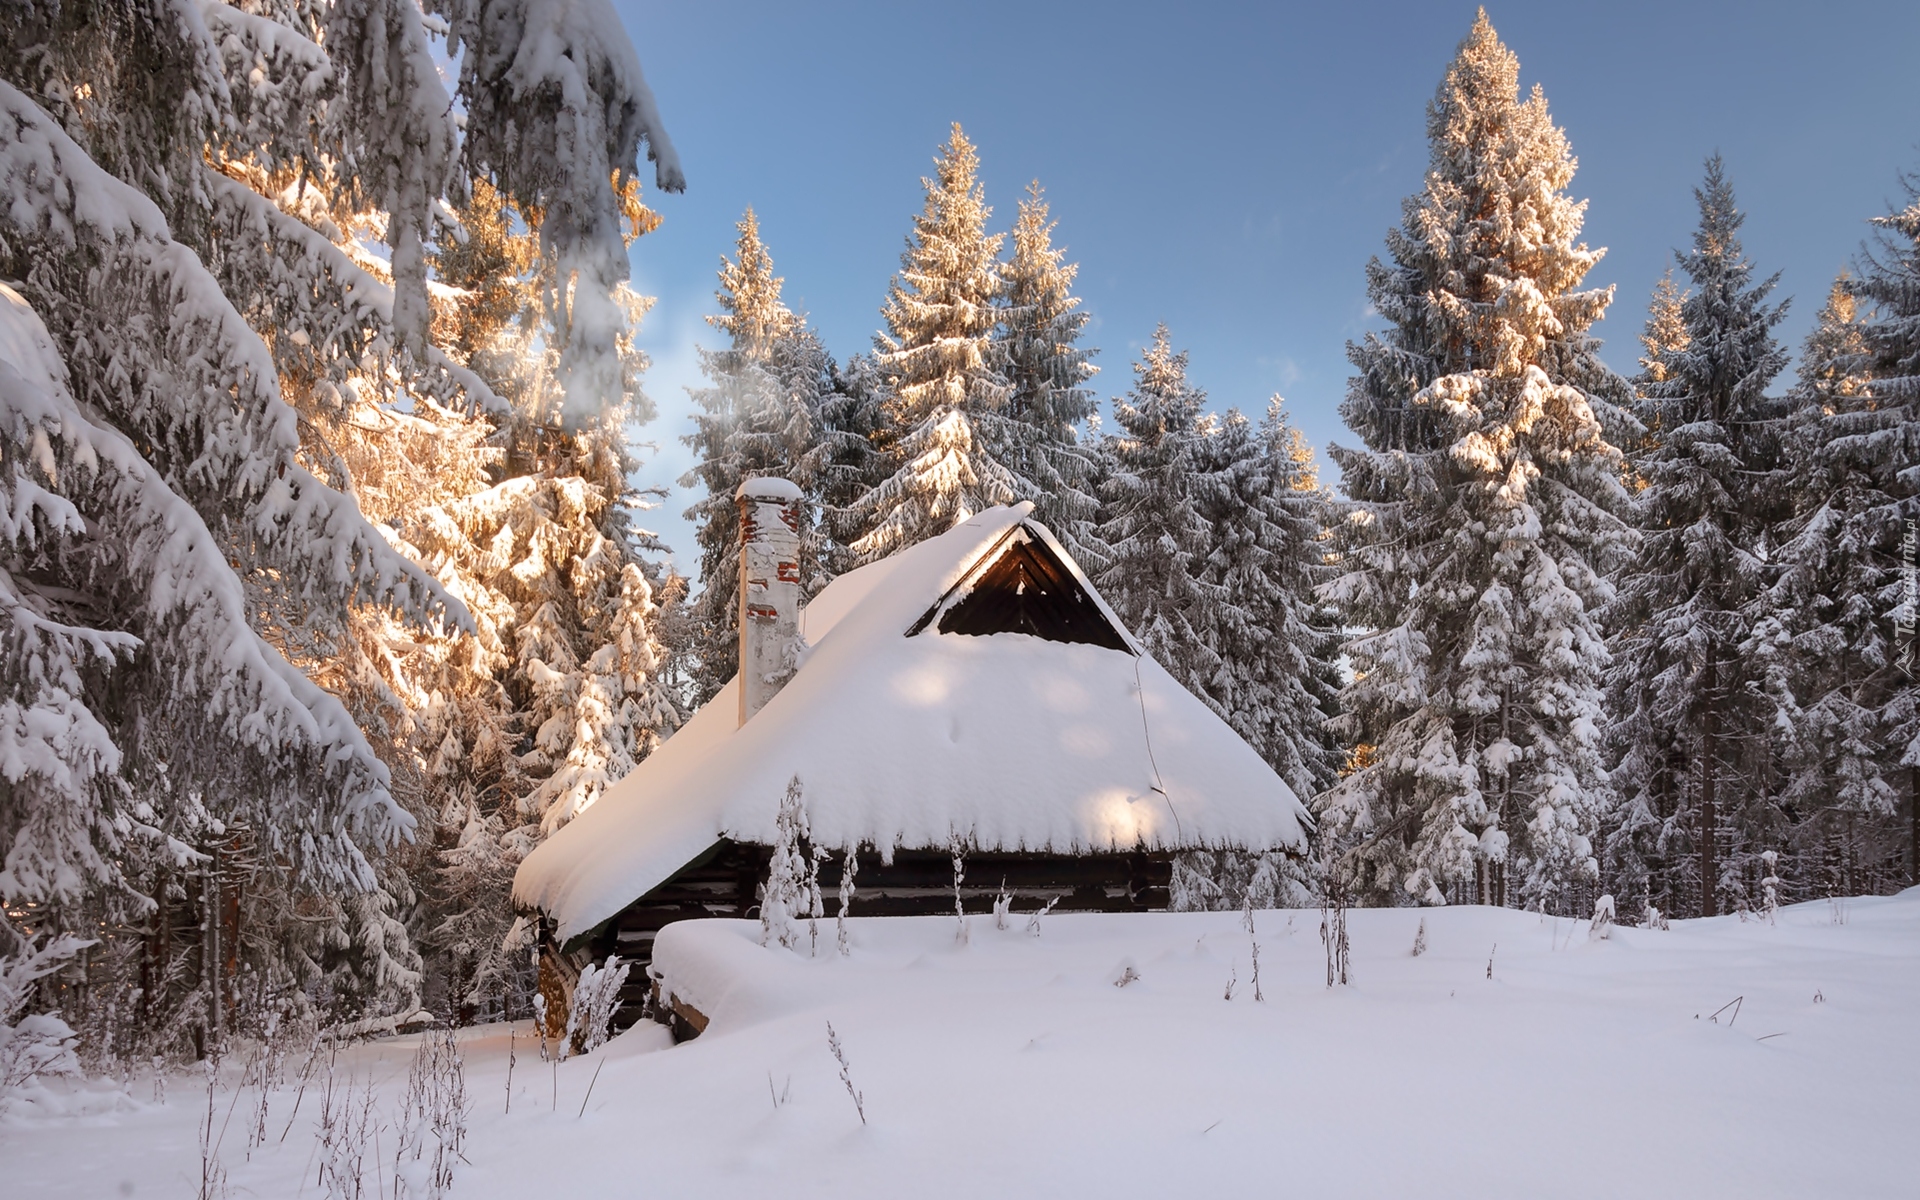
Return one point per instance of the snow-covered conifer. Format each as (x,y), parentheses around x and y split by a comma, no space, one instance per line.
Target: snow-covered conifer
(186,514)
(790,886)
(1691,705)
(1475,558)
(761,416)
(1839,559)
(1278,679)
(1153,539)
(1047,372)
(852,418)
(946,435)
(1889,280)
(195,189)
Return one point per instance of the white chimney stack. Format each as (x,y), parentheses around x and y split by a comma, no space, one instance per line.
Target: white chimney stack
(769,588)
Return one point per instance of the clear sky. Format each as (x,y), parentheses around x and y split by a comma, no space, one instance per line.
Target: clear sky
(1229,169)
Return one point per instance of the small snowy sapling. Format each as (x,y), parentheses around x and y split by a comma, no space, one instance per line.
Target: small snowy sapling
(816,908)
(1420,939)
(958,849)
(1002,905)
(791,883)
(1247,920)
(849,863)
(1770,886)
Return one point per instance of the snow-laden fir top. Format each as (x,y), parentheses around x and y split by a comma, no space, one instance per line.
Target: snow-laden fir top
(769,487)
(1013,742)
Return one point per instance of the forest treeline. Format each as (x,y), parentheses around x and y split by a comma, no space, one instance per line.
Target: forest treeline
(329,596)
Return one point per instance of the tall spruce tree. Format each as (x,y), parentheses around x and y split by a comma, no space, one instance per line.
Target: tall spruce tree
(185,794)
(1638,829)
(1888,278)
(1153,540)
(1691,697)
(1278,644)
(1047,372)
(762,416)
(1839,563)
(1475,558)
(946,435)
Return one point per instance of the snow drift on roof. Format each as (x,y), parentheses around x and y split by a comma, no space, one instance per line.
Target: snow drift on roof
(1013,742)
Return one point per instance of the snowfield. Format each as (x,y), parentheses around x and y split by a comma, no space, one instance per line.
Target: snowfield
(1016,1065)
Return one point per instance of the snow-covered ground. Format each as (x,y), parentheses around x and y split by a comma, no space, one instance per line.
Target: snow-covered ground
(1012,1065)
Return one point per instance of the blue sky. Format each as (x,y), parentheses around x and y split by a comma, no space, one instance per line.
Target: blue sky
(1229,169)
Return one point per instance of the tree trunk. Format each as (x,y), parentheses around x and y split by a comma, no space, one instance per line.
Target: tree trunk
(1708,751)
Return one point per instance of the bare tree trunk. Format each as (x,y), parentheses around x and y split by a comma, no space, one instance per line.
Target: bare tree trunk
(1709,750)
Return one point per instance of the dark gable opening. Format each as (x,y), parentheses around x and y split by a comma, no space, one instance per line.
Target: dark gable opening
(1024,588)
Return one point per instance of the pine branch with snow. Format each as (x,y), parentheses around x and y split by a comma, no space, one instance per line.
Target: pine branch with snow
(557,108)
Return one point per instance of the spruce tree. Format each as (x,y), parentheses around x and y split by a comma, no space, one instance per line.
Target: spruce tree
(1153,540)
(1644,822)
(1278,680)
(1888,279)
(945,435)
(1690,691)
(232,266)
(1838,560)
(762,416)
(213,806)
(1476,555)
(853,421)
(1047,371)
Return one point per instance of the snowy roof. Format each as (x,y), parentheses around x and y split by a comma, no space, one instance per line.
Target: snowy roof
(903,734)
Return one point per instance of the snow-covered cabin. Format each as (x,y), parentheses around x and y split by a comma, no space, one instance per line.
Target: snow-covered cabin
(973,687)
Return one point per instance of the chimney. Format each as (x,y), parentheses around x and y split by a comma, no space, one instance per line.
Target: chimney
(769,588)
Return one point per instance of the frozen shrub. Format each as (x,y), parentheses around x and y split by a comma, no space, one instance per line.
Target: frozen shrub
(433,1119)
(595,998)
(35,1044)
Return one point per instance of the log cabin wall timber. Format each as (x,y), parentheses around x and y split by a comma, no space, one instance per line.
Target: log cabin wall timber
(724,882)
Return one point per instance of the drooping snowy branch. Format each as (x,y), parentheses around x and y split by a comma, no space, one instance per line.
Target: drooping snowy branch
(557,108)
(110,540)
